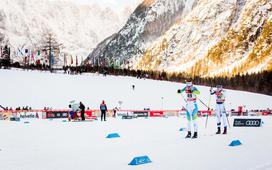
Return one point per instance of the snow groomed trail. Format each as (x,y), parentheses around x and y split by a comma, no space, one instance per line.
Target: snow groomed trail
(54,144)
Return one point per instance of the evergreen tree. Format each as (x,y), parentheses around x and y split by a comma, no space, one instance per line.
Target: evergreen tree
(50,46)
(5,58)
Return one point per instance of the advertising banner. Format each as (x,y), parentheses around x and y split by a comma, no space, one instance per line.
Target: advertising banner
(247,122)
(141,113)
(89,114)
(29,115)
(156,113)
(56,114)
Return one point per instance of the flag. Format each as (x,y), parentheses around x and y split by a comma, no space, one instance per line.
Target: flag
(29,57)
(72,60)
(20,53)
(52,57)
(33,57)
(65,60)
(39,52)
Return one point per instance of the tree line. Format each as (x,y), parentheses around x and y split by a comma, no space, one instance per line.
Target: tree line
(257,82)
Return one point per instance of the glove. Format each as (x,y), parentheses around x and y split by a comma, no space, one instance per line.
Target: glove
(179,91)
(211,89)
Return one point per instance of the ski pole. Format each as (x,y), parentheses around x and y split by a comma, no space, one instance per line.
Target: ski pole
(228,120)
(185,102)
(209,99)
(208,110)
(183,108)
(203,103)
(184,99)
(206,123)
(208,107)
(2,107)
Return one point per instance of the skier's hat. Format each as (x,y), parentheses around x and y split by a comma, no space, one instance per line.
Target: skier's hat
(189,83)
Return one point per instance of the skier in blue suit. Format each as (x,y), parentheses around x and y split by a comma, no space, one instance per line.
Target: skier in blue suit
(191,107)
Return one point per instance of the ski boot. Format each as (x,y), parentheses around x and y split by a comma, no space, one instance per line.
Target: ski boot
(225,131)
(218,130)
(195,135)
(188,135)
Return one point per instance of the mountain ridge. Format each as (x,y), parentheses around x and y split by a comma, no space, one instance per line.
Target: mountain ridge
(208,39)
(78,27)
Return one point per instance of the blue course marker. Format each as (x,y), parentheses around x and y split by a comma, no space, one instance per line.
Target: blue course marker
(113,135)
(140,160)
(235,143)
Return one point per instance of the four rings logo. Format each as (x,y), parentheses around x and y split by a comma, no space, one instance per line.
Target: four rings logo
(252,123)
(247,122)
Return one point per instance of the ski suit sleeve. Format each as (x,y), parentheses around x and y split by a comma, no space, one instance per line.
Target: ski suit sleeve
(212,92)
(182,90)
(196,91)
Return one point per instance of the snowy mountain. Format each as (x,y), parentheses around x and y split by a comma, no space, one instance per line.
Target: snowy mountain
(199,37)
(77,27)
(148,22)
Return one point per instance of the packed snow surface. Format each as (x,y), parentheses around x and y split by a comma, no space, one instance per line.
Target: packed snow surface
(43,89)
(53,144)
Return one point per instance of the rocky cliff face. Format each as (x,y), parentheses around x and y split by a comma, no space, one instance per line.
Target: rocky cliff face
(199,37)
(150,20)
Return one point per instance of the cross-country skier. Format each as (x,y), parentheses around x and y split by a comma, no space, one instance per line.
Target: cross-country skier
(191,107)
(220,108)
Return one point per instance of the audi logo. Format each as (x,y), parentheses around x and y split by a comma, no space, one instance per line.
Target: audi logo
(252,123)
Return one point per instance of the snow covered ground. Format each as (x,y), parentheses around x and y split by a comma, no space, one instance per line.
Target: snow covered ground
(53,144)
(45,144)
(40,89)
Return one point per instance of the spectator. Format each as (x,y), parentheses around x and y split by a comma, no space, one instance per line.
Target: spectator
(114,111)
(71,113)
(103,109)
(82,111)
